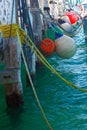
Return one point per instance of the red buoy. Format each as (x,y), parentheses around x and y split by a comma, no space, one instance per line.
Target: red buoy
(47,47)
(73,17)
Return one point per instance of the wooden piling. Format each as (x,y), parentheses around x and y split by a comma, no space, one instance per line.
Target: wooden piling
(11,47)
(12,62)
(37,25)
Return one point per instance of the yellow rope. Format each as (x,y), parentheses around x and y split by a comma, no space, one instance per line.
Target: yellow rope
(5,29)
(46,63)
(26,39)
(35,94)
(15,30)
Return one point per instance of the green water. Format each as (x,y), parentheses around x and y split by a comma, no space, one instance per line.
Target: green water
(65,108)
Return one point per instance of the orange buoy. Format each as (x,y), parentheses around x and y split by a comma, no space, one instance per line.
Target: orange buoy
(47,47)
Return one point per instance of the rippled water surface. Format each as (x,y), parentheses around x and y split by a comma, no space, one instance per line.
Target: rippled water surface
(65,107)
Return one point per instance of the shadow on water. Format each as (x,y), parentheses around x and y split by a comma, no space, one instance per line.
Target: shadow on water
(14,115)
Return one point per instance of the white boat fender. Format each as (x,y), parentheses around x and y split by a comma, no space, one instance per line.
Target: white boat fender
(65,47)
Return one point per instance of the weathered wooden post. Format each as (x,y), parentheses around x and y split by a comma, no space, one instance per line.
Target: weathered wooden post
(37,26)
(11,45)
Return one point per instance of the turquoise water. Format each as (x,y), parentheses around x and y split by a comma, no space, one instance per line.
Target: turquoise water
(65,107)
